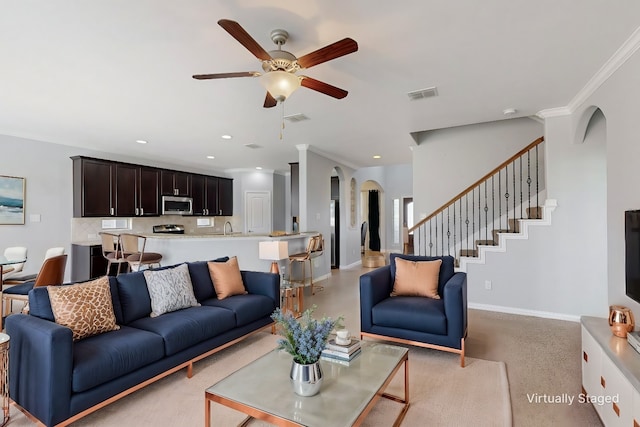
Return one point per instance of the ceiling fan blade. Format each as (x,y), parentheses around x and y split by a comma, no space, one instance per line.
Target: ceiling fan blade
(226,75)
(327,53)
(269,101)
(322,87)
(238,33)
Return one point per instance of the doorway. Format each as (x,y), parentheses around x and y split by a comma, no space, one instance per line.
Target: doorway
(258,212)
(334,219)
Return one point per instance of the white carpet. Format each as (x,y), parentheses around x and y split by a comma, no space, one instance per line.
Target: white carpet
(441,393)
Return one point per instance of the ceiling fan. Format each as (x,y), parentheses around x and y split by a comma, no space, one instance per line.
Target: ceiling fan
(280,67)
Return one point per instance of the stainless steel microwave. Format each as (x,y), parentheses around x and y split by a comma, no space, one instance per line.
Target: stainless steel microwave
(172,205)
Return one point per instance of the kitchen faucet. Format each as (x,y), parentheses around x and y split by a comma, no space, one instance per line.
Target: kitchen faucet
(224,229)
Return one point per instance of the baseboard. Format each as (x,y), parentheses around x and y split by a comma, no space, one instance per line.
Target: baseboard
(524,312)
(353,265)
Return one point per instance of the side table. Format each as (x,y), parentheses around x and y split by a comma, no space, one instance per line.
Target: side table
(4,376)
(292,297)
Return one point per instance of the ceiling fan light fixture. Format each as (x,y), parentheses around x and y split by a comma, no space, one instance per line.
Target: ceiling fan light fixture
(280,84)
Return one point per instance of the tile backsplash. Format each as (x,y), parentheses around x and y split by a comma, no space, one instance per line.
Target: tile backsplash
(87,229)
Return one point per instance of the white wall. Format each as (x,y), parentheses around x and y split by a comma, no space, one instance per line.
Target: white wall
(447,161)
(619,100)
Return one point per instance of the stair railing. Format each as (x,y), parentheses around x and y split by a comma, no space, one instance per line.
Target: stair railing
(491,205)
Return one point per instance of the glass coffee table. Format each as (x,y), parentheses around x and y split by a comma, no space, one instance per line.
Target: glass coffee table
(262,389)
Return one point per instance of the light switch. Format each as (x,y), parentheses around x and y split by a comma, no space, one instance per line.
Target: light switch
(34,218)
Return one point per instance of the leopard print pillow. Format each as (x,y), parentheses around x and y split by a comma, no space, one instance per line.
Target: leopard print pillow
(85,308)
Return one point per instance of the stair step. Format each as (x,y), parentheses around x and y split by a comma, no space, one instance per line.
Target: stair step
(469,252)
(534,213)
(486,243)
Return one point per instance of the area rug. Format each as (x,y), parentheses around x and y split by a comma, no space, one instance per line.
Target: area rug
(441,393)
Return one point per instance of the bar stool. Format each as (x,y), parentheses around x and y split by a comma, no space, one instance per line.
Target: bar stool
(315,248)
(133,246)
(112,250)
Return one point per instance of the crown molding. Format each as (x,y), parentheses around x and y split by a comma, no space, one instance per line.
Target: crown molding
(624,52)
(622,55)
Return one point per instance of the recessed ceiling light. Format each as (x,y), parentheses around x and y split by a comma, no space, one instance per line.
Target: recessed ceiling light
(509,111)
(141,141)
(226,137)
(377,156)
(211,157)
(258,167)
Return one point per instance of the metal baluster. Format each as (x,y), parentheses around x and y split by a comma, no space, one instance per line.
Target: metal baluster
(493,206)
(506,195)
(436,221)
(514,196)
(521,187)
(448,234)
(473,218)
(500,199)
(486,211)
(466,219)
(537,182)
(441,234)
(529,181)
(454,229)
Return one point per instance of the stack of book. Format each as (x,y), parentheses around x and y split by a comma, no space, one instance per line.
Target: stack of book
(343,354)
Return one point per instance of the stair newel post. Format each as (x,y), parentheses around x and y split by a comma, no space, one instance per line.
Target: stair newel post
(473,218)
(529,180)
(486,213)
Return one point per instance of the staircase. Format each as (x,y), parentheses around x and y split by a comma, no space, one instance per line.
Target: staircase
(498,207)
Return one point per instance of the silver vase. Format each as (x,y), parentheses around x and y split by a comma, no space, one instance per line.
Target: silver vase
(306,379)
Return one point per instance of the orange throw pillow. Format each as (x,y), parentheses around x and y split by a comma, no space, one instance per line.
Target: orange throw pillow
(416,278)
(226,277)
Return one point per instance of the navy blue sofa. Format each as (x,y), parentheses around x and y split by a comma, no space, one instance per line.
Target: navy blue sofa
(434,323)
(59,381)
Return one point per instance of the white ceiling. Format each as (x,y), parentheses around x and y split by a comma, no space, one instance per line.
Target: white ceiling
(102,74)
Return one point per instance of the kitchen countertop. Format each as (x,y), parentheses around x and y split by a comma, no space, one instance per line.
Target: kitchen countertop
(207,236)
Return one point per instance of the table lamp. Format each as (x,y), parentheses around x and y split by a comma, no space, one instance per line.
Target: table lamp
(273,250)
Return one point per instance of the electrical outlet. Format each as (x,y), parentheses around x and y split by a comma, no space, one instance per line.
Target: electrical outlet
(487,285)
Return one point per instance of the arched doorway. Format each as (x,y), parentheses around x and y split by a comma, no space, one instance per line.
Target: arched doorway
(372,235)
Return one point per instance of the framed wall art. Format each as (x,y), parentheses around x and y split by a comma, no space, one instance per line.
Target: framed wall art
(12,195)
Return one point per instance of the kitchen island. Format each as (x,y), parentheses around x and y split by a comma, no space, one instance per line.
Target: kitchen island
(177,248)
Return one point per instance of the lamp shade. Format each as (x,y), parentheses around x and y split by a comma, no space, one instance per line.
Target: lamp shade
(273,250)
(280,84)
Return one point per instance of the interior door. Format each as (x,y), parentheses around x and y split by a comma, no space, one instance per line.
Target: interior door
(258,212)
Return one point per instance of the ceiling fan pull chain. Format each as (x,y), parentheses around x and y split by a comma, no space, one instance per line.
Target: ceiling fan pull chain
(282,129)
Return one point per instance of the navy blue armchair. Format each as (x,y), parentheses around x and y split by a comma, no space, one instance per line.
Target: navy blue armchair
(420,321)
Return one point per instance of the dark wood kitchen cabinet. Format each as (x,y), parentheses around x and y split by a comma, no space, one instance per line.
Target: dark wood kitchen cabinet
(92,187)
(103,188)
(225,196)
(148,197)
(174,183)
(212,196)
(204,191)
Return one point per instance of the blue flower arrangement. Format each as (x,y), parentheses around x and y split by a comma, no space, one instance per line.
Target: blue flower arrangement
(305,338)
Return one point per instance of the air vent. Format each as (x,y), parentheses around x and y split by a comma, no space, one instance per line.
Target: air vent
(296,118)
(423,93)
(252,145)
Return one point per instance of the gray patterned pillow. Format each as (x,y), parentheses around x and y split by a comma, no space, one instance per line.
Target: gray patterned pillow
(170,289)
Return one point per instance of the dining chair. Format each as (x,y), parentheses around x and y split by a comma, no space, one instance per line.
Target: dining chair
(51,274)
(112,250)
(19,279)
(315,248)
(11,253)
(133,247)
